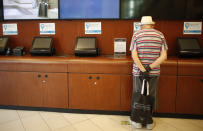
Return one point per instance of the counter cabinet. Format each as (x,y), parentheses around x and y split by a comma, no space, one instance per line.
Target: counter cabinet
(190,87)
(97,83)
(33,85)
(94,91)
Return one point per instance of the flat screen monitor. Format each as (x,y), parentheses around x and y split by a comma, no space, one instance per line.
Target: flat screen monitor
(3,42)
(158,9)
(42,43)
(194,9)
(89,9)
(86,43)
(30,9)
(1,10)
(189,43)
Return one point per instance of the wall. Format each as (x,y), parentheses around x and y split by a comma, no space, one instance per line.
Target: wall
(67,31)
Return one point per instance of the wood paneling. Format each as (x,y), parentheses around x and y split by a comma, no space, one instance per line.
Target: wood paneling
(126,92)
(34,67)
(167,94)
(20,84)
(107,92)
(56,90)
(94,91)
(190,67)
(8,92)
(68,30)
(100,64)
(169,67)
(189,95)
(81,92)
(109,68)
(29,89)
(34,89)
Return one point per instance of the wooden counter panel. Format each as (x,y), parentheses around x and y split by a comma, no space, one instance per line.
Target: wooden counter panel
(189,95)
(192,67)
(167,94)
(110,68)
(126,92)
(34,67)
(169,67)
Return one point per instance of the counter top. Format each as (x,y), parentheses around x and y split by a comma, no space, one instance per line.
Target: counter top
(63,59)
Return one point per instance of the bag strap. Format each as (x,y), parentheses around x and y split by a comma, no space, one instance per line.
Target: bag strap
(143,84)
(147,88)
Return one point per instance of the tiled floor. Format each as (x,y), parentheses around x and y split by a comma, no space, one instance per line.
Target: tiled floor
(20,120)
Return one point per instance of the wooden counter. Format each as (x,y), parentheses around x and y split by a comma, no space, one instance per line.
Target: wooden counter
(94,83)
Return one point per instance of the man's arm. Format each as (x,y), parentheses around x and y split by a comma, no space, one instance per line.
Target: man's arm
(160,60)
(137,61)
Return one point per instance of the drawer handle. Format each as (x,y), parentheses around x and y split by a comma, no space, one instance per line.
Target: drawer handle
(97,77)
(90,77)
(46,76)
(38,75)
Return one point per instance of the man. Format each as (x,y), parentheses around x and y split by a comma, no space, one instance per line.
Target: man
(149,50)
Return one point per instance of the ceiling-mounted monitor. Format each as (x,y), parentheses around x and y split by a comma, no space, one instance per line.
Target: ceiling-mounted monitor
(1,10)
(89,9)
(30,9)
(158,9)
(194,9)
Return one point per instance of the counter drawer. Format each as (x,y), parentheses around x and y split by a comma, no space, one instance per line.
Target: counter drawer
(190,67)
(110,68)
(34,67)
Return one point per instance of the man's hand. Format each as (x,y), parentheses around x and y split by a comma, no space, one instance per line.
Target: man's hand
(144,75)
(148,68)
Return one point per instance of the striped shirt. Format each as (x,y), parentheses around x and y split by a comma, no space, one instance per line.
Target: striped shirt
(148,43)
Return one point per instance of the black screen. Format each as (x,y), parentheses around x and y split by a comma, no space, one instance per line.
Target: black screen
(86,42)
(42,43)
(188,43)
(158,9)
(3,42)
(194,9)
(162,9)
(1,10)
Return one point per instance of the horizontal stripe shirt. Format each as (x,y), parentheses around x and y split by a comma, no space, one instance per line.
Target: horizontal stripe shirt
(148,43)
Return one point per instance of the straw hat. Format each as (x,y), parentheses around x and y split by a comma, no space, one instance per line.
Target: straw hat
(147,20)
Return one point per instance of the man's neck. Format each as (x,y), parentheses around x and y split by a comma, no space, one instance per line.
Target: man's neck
(147,27)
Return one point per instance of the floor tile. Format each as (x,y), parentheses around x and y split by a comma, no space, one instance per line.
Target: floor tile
(25,113)
(87,126)
(12,126)
(118,119)
(75,118)
(21,120)
(67,128)
(107,124)
(90,116)
(182,124)
(54,120)
(198,123)
(35,123)
(162,126)
(8,115)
